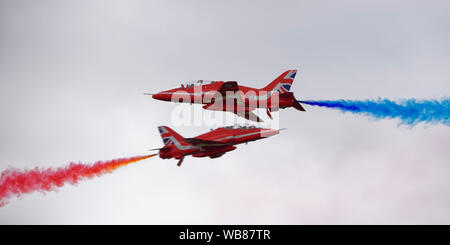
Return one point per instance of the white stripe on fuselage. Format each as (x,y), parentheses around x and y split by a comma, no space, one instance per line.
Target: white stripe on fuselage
(239,136)
(251,96)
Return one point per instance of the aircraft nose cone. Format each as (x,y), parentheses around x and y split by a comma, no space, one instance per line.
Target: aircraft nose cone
(161,96)
(157,96)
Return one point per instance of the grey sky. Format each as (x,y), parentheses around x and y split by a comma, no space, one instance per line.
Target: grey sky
(72,74)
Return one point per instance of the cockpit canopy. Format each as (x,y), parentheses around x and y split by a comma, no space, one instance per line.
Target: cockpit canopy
(196,83)
(240,127)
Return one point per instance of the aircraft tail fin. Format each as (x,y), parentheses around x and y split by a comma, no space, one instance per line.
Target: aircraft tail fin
(169,136)
(283,83)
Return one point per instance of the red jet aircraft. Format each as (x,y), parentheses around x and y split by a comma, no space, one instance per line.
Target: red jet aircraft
(212,144)
(241,100)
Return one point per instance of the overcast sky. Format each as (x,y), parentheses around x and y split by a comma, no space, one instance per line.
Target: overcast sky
(72,74)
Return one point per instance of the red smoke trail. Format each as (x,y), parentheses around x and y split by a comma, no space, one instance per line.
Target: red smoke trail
(18,182)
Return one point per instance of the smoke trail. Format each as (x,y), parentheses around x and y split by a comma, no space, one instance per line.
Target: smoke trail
(19,182)
(409,112)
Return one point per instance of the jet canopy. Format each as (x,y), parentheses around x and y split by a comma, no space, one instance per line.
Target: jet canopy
(196,83)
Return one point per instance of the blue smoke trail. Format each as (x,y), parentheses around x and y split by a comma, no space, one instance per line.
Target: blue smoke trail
(409,111)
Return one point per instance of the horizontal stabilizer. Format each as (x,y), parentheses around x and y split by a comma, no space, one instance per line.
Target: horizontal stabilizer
(298,106)
(160,149)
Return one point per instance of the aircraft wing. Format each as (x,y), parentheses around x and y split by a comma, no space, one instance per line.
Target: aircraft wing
(241,111)
(249,115)
(223,95)
(204,143)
